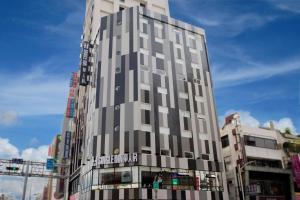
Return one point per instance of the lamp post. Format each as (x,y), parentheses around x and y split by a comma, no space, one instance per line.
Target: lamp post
(240,176)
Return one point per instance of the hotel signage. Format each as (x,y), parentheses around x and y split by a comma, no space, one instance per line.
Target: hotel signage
(117,159)
(85,63)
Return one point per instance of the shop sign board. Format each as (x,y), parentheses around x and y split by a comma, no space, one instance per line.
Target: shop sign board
(85,63)
(67,144)
(117,159)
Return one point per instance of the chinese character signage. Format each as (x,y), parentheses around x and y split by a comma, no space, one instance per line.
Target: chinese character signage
(67,144)
(85,63)
(70,112)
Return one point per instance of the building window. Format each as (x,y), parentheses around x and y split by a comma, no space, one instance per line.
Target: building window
(165,152)
(143,5)
(189,155)
(146,96)
(158,32)
(186,123)
(179,53)
(225,141)
(260,142)
(146,149)
(144,28)
(121,8)
(146,116)
(177,37)
(192,43)
(160,63)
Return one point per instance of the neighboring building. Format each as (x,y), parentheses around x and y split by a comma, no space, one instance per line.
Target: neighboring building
(144,110)
(53,152)
(291,146)
(257,153)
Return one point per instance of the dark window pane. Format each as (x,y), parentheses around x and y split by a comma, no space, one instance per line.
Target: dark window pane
(225,141)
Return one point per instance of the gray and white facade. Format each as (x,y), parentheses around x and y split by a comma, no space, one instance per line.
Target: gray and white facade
(148,110)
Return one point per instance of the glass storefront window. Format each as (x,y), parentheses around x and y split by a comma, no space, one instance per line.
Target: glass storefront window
(209,181)
(150,177)
(123,175)
(106,176)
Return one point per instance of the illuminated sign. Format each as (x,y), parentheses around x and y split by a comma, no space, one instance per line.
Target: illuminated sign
(116,159)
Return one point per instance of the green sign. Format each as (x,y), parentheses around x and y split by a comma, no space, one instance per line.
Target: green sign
(175,181)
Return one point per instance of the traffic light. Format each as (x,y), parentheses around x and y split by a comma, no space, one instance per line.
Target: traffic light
(12,168)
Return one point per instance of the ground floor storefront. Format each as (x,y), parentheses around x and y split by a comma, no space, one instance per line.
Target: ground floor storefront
(140,182)
(265,185)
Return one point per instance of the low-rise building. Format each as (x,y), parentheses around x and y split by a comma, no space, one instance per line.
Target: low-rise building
(256,163)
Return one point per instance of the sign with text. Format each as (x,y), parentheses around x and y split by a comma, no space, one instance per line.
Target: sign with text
(67,144)
(50,164)
(85,63)
(117,159)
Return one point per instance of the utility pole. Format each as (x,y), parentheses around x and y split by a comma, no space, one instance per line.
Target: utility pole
(25,181)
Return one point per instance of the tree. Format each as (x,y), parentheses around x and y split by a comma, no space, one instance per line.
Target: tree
(288,131)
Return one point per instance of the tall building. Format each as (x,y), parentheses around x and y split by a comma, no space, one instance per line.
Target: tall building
(257,162)
(145,120)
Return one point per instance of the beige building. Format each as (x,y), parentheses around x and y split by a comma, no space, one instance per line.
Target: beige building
(256,164)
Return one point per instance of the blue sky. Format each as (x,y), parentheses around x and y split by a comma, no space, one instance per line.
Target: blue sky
(254,51)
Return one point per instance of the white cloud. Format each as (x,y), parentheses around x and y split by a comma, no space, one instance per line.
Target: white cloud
(250,71)
(282,124)
(35,92)
(35,154)
(225,19)
(7,150)
(287,5)
(70,27)
(248,120)
(8,118)
(13,185)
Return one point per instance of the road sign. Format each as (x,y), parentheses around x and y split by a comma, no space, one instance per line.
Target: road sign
(50,164)
(17,160)
(12,168)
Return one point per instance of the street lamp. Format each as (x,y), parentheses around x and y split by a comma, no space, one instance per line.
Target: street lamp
(240,176)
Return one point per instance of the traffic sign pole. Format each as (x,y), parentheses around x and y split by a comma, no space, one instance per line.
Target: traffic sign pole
(25,181)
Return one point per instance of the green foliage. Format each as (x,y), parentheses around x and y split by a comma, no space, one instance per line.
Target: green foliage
(288,131)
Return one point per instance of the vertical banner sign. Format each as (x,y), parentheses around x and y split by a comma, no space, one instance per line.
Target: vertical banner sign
(67,144)
(70,112)
(296,169)
(85,63)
